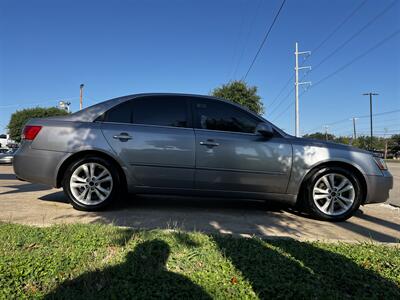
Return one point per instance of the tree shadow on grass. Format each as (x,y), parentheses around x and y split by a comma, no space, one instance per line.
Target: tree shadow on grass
(292,269)
(275,269)
(143,275)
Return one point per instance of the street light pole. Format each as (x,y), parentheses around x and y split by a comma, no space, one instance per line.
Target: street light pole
(370,94)
(81,96)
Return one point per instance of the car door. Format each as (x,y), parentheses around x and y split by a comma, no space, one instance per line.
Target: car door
(231,156)
(154,137)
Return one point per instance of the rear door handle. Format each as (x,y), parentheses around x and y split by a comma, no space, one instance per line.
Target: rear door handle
(122,136)
(209,143)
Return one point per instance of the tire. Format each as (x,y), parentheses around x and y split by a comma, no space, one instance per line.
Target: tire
(333,202)
(91,193)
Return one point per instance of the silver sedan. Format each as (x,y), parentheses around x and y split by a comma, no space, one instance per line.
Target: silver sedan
(194,145)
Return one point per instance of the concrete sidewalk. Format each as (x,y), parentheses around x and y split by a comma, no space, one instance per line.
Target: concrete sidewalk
(26,203)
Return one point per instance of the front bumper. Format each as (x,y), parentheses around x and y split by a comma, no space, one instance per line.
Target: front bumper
(379,187)
(38,166)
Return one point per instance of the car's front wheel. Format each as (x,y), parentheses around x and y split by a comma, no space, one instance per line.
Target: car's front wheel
(333,193)
(91,183)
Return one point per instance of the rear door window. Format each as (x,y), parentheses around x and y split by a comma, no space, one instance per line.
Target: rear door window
(121,113)
(161,110)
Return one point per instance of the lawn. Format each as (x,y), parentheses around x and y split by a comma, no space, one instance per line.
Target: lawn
(99,261)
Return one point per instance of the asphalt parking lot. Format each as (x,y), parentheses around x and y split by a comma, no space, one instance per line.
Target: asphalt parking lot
(27,203)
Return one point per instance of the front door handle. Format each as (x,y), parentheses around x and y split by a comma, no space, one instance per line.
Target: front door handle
(209,143)
(123,136)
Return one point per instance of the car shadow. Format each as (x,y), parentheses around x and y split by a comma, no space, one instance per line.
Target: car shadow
(223,215)
(55,197)
(7,176)
(25,188)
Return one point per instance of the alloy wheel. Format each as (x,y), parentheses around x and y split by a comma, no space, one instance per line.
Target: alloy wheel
(91,183)
(333,194)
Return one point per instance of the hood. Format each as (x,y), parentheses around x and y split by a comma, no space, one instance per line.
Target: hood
(328,144)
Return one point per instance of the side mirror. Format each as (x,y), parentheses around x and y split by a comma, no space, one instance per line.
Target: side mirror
(265,129)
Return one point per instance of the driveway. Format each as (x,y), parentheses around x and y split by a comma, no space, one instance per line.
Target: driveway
(27,203)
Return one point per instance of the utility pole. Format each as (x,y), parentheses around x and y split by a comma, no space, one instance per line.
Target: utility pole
(326,132)
(370,94)
(386,143)
(297,83)
(354,128)
(81,96)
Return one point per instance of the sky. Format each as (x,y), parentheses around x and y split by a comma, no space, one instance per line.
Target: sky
(115,48)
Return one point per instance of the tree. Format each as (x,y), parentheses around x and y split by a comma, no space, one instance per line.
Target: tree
(364,142)
(320,136)
(343,140)
(20,117)
(394,143)
(239,92)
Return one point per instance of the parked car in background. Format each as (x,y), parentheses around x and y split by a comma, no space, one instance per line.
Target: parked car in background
(197,145)
(7,156)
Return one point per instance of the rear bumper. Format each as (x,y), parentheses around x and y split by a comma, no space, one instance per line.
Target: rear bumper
(379,187)
(38,166)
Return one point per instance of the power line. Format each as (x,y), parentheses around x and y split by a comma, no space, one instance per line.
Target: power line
(237,43)
(359,117)
(265,39)
(329,36)
(282,101)
(289,106)
(357,57)
(345,43)
(341,46)
(247,37)
(381,126)
(290,92)
(381,114)
(285,110)
(282,90)
(337,49)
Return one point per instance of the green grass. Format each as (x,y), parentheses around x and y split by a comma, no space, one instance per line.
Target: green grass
(99,261)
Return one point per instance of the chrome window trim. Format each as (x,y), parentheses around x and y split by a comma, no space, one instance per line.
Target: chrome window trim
(224,131)
(146,125)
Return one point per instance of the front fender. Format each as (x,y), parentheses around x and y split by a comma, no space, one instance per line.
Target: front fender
(307,158)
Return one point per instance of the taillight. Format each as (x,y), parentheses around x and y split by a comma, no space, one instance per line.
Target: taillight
(30,132)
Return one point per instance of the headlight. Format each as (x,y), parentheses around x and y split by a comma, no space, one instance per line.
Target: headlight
(380,162)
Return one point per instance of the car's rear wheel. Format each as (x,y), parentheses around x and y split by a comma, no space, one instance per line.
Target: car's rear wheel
(333,193)
(91,183)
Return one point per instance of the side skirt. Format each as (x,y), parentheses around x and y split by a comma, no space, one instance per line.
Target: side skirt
(282,198)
